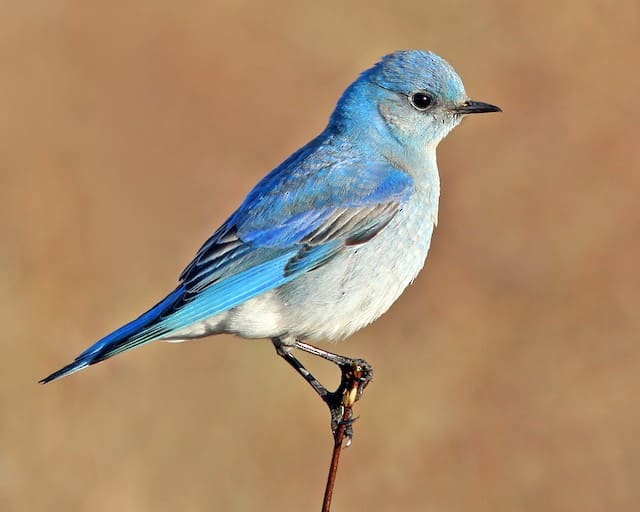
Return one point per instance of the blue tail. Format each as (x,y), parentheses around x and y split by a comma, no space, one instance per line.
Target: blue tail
(120,340)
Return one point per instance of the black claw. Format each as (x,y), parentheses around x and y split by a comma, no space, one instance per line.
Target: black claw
(349,421)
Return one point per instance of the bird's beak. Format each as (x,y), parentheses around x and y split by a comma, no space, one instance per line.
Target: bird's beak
(474,107)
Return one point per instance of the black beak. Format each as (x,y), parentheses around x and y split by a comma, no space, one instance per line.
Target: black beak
(475,107)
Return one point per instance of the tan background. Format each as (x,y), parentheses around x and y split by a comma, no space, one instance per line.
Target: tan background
(507,377)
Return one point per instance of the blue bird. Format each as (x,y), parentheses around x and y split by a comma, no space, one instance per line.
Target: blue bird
(326,242)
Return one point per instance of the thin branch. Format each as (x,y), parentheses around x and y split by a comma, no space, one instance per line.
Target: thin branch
(355,378)
(335,460)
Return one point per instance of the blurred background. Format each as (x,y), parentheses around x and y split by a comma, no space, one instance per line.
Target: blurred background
(507,376)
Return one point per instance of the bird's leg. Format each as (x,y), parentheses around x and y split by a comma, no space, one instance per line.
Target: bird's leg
(355,375)
(285,351)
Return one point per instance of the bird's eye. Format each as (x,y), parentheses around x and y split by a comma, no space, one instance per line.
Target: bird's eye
(421,100)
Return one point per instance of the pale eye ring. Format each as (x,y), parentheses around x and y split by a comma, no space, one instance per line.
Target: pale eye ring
(421,100)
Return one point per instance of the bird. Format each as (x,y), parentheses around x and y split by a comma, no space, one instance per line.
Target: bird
(327,241)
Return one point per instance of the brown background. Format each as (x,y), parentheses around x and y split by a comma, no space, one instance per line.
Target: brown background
(507,377)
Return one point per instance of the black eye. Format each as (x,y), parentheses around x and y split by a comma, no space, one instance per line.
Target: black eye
(421,100)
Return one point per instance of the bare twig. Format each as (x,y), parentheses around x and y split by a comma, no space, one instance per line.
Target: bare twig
(355,378)
(335,460)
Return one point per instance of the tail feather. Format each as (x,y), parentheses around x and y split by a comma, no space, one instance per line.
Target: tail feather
(74,367)
(128,336)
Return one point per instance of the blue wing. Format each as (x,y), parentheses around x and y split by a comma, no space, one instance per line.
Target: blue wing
(289,224)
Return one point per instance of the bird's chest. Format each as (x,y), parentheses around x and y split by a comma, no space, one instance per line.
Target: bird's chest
(359,285)
(392,260)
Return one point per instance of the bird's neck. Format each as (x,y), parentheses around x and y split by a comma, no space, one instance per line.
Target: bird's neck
(419,161)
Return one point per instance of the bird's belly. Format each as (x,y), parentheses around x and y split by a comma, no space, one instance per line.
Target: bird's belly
(359,285)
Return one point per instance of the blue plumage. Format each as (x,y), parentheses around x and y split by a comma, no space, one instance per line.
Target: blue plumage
(97,351)
(356,204)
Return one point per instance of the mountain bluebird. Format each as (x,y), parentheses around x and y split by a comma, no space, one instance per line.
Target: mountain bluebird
(328,240)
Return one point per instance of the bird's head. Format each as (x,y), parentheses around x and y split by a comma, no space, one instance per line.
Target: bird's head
(410,98)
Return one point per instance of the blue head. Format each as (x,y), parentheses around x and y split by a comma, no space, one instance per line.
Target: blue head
(409,101)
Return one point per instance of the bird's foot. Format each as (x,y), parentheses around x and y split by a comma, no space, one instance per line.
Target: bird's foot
(356,375)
